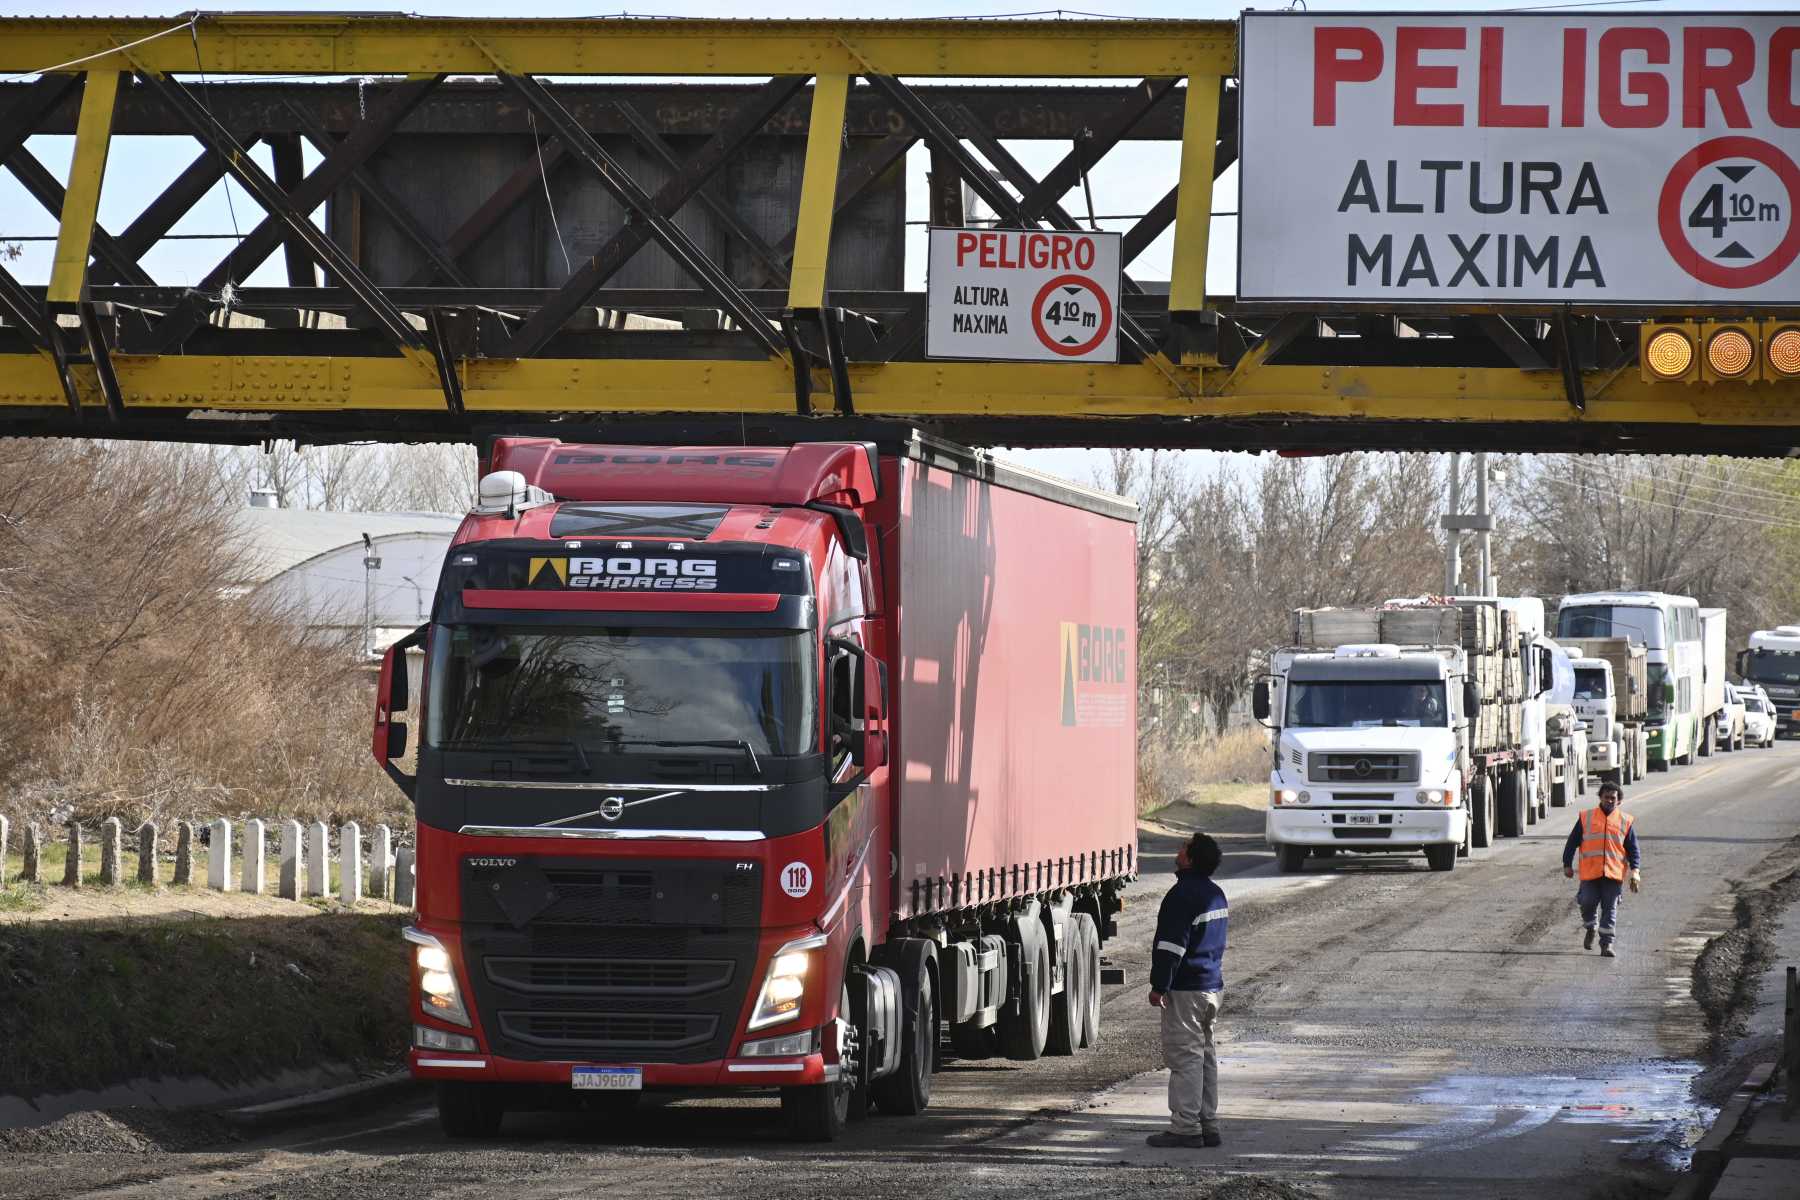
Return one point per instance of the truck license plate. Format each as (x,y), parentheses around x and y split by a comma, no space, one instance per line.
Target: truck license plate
(1360,819)
(607,1079)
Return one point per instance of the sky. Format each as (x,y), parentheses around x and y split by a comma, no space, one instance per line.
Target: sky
(1132,178)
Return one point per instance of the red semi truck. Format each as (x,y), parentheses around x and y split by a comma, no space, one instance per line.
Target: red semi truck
(764,768)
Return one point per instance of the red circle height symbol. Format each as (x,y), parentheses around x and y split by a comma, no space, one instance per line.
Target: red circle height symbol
(1037,315)
(1668,212)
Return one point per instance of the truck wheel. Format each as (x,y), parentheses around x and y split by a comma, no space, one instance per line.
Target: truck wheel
(1441,858)
(907,1091)
(819,1112)
(1088,942)
(1065,1007)
(1481,815)
(1022,1034)
(1706,744)
(1559,794)
(470,1110)
(1512,804)
(1290,860)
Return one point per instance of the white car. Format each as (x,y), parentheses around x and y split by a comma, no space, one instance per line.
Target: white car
(1728,723)
(1759,717)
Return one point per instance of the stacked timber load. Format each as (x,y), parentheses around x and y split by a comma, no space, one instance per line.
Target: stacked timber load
(1333,627)
(1631,689)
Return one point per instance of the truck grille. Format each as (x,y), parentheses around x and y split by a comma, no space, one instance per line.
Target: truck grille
(614,960)
(609,1031)
(1372,767)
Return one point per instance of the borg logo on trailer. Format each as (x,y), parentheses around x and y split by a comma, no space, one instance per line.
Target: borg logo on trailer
(1023,295)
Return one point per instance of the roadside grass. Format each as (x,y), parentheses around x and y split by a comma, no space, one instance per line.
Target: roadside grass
(1229,770)
(94,1003)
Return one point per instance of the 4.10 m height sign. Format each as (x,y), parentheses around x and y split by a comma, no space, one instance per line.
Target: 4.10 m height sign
(1544,158)
(1027,295)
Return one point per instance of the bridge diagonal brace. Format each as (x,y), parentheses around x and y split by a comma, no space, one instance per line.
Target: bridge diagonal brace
(45,189)
(1515,345)
(1092,145)
(866,165)
(1562,333)
(161,214)
(290,168)
(652,216)
(645,135)
(26,313)
(382,197)
(291,211)
(524,181)
(436,324)
(100,354)
(802,360)
(938,134)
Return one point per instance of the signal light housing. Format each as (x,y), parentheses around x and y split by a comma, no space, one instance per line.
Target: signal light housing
(1730,352)
(1669,351)
(1781,349)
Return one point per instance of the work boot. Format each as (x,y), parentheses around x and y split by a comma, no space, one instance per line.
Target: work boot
(1210,1137)
(1587,942)
(1168,1140)
(1606,950)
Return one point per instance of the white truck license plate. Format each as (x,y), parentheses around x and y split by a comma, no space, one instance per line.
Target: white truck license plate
(1360,819)
(607,1079)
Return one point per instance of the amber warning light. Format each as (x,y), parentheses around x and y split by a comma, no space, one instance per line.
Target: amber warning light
(1719,351)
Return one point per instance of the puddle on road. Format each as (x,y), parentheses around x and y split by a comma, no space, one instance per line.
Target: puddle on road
(1651,1107)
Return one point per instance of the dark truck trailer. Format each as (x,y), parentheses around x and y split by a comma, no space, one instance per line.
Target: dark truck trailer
(765,767)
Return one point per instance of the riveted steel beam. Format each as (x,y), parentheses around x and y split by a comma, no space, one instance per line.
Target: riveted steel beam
(80,207)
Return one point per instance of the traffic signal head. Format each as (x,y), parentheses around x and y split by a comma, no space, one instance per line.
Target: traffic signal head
(1781,349)
(1729,351)
(1669,351)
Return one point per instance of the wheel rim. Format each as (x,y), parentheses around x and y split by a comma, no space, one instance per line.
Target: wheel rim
(849,1060)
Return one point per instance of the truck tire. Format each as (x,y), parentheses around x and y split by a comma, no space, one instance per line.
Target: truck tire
(1482,812)
(1064,1037)
(1290,860)
(1023,1033)
(972,1042)
(907,1092)
(1512,804)
(470,1110)
(1441,858)
(1559,792)
(1088,941)
(1708,733)
(819,1112)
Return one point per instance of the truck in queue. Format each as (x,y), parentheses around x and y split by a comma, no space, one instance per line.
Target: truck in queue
(1611,692)
(1772,661)
(1668,627)
(763,768)
(1396,729)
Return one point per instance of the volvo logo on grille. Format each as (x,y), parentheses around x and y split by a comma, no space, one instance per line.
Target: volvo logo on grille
(612,808)
(493,862)
(1363,768)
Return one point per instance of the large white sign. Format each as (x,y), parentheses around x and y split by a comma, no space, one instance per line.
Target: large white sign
(1023,294)
(1617,158)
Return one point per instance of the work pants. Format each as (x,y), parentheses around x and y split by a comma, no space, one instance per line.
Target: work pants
(1599,899)
(1187,1042)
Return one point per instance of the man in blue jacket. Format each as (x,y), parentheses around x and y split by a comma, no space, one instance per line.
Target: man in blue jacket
(1186,983)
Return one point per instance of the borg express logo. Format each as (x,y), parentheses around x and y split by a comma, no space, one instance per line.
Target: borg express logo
(626,573)
(1096,673)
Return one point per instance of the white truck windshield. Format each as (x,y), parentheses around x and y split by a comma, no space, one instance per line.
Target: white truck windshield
(1350,704)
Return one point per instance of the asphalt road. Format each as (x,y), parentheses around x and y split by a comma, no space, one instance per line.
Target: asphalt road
(1387,1033)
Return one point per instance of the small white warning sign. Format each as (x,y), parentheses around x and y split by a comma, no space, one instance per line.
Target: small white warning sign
(1023,295)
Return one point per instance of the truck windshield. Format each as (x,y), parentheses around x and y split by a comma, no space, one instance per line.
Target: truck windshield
(1343,704)
(1590,683)
(1642,624)
(1773,666)
(606,689)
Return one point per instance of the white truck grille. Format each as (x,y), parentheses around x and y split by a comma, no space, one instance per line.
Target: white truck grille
(1355,767)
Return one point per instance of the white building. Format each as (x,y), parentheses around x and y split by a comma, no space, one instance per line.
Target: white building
(366,576)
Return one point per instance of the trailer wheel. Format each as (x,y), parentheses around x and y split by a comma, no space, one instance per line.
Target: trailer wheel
(1290,860)
(470,1110)
(1481,805)
(1065,1007)
(1441,858)
(907,1091)
(1512,804)
(819,1112)
(1087,941)
(1022,1034)
(1708,732)
(1533,801)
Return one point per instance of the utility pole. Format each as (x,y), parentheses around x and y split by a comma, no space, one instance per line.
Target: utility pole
(1455,523)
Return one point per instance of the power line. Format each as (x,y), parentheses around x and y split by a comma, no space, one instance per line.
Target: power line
(1611,494)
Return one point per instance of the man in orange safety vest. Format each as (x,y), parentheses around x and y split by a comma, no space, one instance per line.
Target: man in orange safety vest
(1608,850)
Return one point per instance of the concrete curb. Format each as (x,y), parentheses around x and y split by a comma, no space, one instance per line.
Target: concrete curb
(1709,1153)
(332,1102)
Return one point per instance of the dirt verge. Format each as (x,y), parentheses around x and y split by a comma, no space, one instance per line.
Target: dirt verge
(1729,968)
(90,1004)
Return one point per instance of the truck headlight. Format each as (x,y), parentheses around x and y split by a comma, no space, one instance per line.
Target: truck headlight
(784,987)
(436,977)
(1282,797)
(427,1038)
(1437,796)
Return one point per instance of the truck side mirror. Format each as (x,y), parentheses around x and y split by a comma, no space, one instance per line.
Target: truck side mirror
(1743,657)
(1471,699)
(1546,668)
(874,750)
(848,698)
(1259,701)
(392,696)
